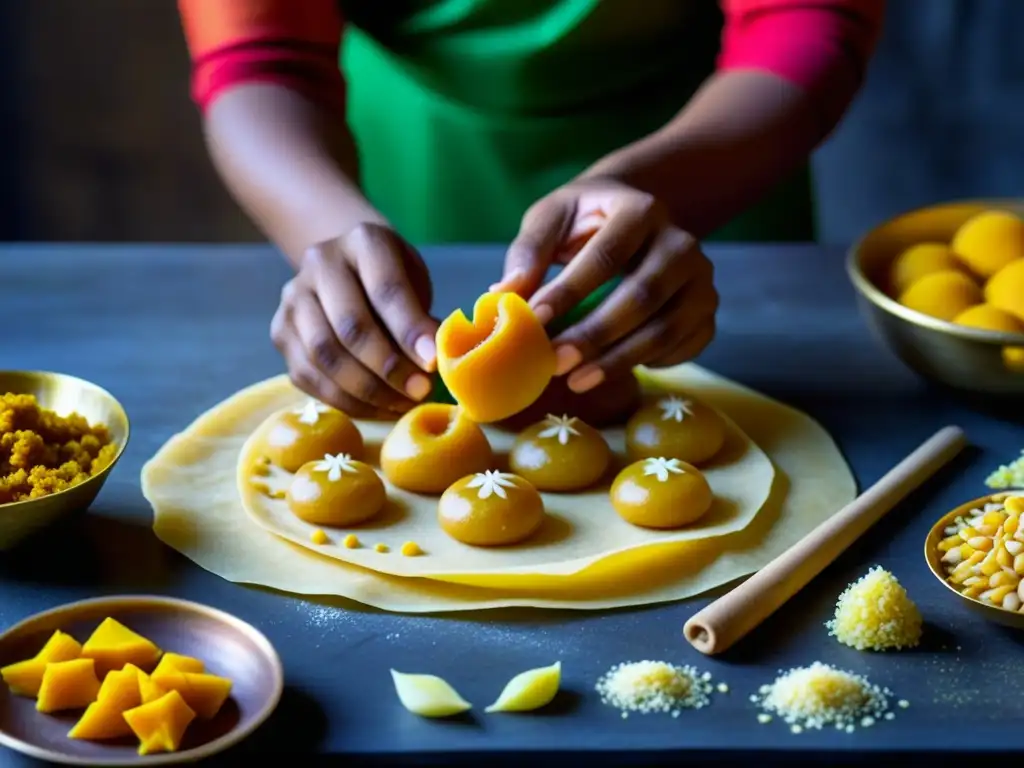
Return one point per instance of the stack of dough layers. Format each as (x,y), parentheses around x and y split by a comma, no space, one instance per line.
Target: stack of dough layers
(778,476)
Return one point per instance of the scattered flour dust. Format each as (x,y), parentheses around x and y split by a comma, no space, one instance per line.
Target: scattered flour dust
(647,687)
(821,695)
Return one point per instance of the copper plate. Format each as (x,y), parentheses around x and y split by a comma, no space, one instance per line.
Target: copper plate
(228,646)
(933,557)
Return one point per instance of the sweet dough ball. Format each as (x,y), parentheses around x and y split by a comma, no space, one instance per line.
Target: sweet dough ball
(300,435)
(1006,289)
(337,491)
(490,509)
(942,295)
(676,427)
(920,260)
(560,454)
(989,241)
(661,493)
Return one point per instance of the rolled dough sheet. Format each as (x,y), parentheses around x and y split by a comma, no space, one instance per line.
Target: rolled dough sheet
(579,530)
(197,512)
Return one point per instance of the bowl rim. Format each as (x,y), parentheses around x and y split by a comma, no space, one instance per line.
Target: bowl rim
(99,478)
(876,296)
(215,746)
(937,532)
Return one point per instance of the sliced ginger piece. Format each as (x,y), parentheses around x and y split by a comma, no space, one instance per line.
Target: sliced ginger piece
(104,718)
(204,693)
(500,362)
(113,646)
(24,677)
(68,685)
(529,690)
(178,663)
(160,725)
(428,696)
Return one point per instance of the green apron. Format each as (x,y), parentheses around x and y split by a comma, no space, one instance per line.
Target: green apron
(466,112)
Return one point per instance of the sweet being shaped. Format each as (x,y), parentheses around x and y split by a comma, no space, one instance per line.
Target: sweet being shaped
(336,491)
(560,453)
(490,509)
(675,427)
(431,447)
(307,433)
(117,695)
(661,493)
(500,362)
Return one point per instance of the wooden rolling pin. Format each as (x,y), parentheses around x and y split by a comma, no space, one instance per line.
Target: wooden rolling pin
(728,619)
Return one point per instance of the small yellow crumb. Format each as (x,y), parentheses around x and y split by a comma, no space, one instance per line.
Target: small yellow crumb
(351,541)
(381,548)
(261,470)
(902,703)
(278,494)
(264,460)
(764,719)
(722,688)
(319,537)
(411,549)
(260,487)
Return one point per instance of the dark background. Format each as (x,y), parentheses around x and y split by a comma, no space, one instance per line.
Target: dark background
(98,140)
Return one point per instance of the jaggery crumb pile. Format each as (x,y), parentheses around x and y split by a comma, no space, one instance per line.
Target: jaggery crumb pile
(42,453)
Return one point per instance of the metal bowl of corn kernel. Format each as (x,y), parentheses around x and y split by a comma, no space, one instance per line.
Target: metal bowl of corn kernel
(964,358)
(977,552)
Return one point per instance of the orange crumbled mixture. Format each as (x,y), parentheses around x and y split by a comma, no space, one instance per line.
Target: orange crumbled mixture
(42,453)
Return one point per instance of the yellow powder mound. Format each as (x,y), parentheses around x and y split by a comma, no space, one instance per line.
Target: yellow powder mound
(646,687)
(874,613)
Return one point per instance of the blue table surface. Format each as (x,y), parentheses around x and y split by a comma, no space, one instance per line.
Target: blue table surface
(173,330)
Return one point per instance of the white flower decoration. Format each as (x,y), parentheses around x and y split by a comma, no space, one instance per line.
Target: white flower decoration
(661,468)
(335,466)
(310,412)
(491,483)
(560,427)
(675,408)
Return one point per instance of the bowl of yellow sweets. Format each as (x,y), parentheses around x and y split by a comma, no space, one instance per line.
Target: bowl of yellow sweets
(977,552)
(943,287)
(60,437)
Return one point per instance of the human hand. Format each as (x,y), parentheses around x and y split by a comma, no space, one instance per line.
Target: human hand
(353,325)
(661,314)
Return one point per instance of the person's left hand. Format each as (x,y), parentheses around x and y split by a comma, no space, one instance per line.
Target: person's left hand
(661,314)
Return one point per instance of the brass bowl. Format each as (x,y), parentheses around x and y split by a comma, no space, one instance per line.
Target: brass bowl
(63,394)
(933,557)
(967,359)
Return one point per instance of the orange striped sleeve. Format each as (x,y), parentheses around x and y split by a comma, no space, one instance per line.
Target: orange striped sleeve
(291,42)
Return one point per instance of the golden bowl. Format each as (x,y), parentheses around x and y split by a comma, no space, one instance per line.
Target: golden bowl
(967,359)
(932,556)
(63,394)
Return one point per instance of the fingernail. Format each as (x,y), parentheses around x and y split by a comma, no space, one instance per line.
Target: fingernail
(585,379)
(567,357)
(512,277)
(544,313)
(417,386)
(426,349)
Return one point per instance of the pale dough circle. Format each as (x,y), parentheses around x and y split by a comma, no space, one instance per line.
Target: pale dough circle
(190,484)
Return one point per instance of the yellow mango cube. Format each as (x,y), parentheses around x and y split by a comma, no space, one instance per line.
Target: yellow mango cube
(160,725)
(113,645)
(68,685)
(25,677)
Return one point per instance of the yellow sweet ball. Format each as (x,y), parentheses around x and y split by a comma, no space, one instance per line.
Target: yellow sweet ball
(989,318)
(1005,289)
(989,241)
(920,260)
(942,295)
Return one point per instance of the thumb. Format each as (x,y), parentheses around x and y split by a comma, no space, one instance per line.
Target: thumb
(534,249)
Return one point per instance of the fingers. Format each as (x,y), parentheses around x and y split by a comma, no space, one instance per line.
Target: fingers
(678,333)
(544,228)
(671,262)
(379,259)
(604,256)
(306,376)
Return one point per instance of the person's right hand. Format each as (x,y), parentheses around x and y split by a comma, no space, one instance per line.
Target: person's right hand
(353,324)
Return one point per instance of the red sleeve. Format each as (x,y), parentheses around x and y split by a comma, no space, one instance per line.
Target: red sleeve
(291,42)
(823,46)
